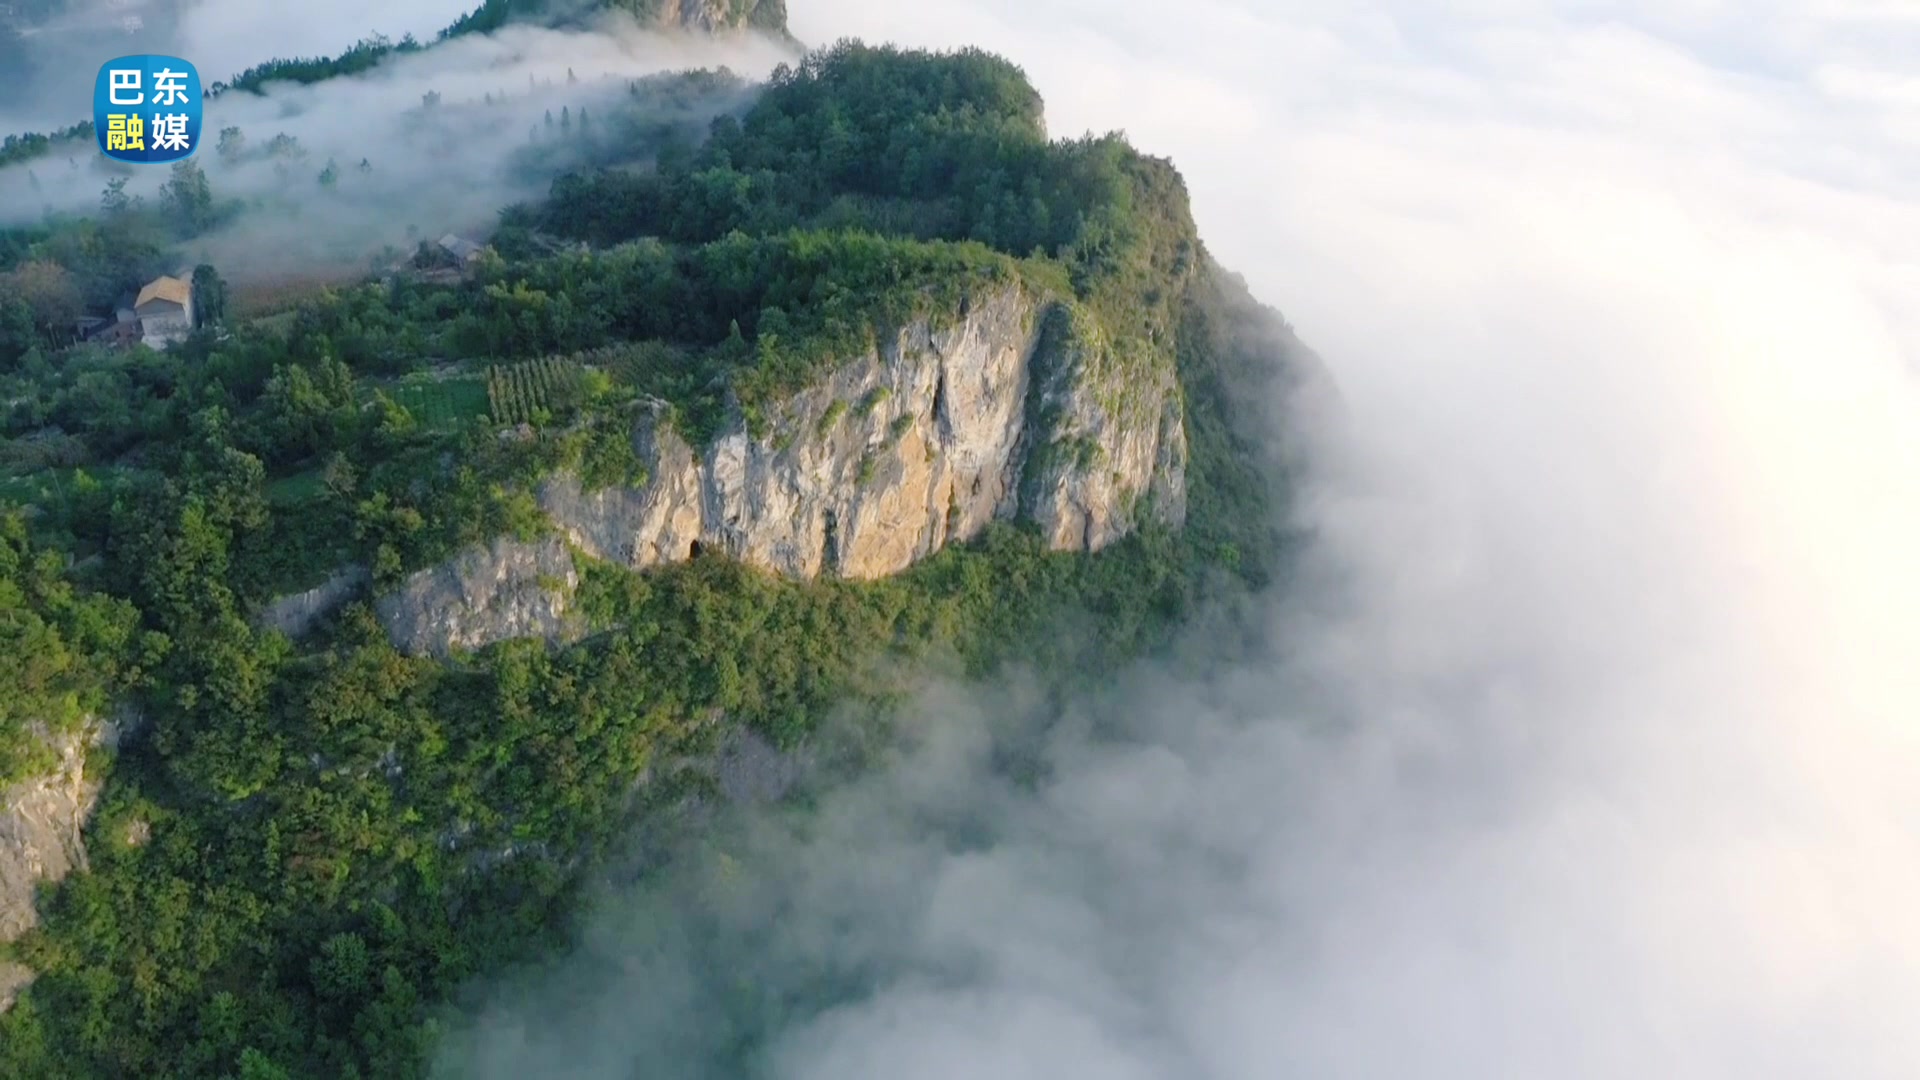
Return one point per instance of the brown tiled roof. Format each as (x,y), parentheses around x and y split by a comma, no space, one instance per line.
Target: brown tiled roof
(165,288)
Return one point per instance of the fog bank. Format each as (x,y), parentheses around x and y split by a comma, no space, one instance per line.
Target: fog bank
(62,53)
(485,142)
(1597,752)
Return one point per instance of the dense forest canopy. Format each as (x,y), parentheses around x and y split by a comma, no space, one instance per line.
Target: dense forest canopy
(363,56)
(764,15)
(65,650)
(16,149)
(335,838)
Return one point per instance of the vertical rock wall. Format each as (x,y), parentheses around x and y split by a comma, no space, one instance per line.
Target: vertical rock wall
(1010,407)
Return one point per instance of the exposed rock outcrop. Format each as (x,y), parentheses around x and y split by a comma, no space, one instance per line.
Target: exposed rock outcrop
(13,979)
(1111,432)
(294,615)
(504,590)
(921,443)
(40,839)
(1013,406)
(712,15)
(702,16)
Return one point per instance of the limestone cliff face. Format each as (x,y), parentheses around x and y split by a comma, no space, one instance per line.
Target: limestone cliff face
(1114,440)
(884,462)
(504,590)
(40,826)
(295,614)
(710,16)
(921,443)
(1010,407)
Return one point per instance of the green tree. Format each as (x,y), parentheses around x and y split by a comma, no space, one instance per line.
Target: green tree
(209,296)
(50,294)
(340,478)
(17,332)
(340,972)
(255,1065)
(305,411)
(283,145)
(114,200)
(188,197)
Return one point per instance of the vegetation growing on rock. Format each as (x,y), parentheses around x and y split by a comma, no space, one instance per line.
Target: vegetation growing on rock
(341,836)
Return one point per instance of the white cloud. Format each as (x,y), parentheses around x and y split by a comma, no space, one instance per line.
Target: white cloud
(225,37)
(424,179)
(221,38)
(1625,772)
(1607,766)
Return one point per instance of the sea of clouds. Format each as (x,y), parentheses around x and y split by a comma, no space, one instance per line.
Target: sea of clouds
(1603,760)
(1588,743)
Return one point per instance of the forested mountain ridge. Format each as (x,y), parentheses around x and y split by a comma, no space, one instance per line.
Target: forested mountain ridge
(308,848)
(768,17)
(706,16)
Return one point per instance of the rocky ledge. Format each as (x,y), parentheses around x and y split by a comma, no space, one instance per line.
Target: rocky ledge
(41,821)
(1012,407)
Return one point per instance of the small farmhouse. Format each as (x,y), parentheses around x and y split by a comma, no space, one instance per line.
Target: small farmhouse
(165,310)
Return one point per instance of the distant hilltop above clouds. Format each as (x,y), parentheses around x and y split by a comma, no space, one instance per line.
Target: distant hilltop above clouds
(705,16)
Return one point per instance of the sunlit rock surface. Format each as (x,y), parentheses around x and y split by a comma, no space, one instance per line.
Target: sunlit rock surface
(1010,408)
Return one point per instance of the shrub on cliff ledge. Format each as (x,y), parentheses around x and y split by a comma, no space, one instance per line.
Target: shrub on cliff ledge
(65,651)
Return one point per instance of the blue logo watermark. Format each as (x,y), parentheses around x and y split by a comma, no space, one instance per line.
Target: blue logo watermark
(147,108)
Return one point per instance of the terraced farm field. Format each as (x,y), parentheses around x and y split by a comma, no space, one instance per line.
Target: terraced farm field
(517,392)
(442,403)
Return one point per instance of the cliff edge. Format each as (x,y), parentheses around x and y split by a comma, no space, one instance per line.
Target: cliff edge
(696,16)
(41,821)
(1012,407)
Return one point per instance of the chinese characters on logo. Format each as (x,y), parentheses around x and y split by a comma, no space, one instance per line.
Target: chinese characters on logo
(147,108)
(124,132)
(170,132)
(125,86)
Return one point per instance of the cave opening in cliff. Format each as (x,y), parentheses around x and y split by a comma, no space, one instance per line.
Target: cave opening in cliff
(693,550)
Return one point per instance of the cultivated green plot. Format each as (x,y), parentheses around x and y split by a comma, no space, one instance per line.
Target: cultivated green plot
(519,393)
(443,403)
